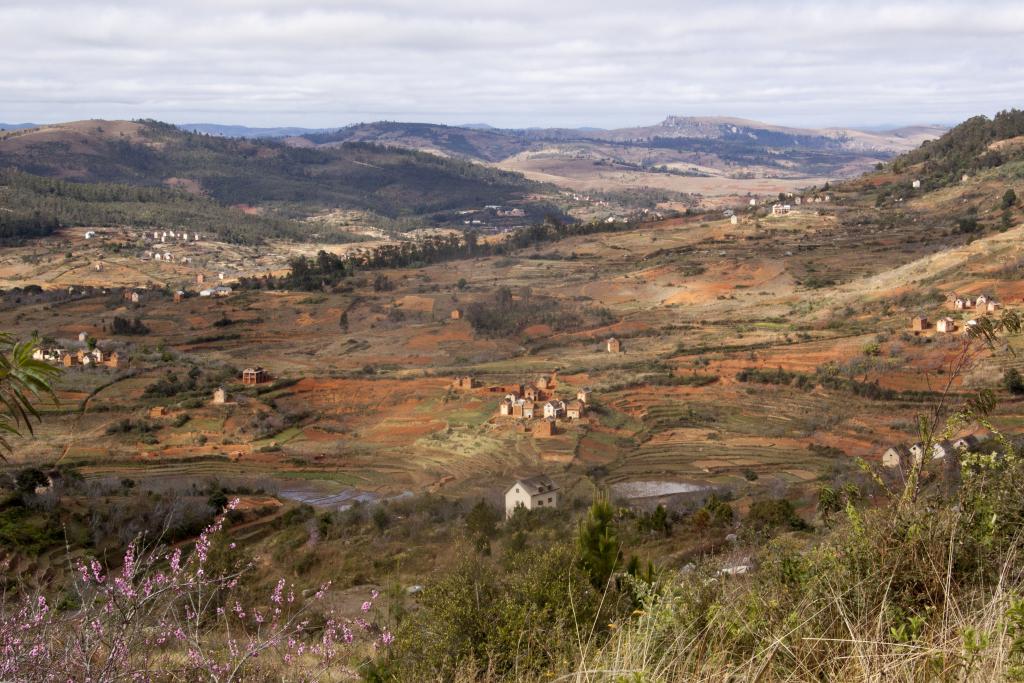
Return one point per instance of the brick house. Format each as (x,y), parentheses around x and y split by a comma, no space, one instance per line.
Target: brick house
(613,345)
(584,395)
(523,408)
(919,323)
(256,375)
(220,396)
(575,409)
(456,314)
(464,382)
(945,325)
(545,428)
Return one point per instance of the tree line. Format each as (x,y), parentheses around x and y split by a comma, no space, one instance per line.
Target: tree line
(327,269)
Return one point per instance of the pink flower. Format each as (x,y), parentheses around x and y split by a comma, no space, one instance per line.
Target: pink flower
(367,605)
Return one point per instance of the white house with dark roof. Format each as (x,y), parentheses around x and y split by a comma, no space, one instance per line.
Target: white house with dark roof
(532,493)
(554,408)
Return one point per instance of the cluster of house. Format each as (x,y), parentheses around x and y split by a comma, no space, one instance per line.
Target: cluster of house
(528,402)
(531,493)
(219,290)
(576,197)
(783,208)
(183,235)
(164,256)
(85,357)
(902,456)
(981,304)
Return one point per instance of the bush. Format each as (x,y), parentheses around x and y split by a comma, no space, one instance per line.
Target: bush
(515,624)
(1009,199)
(1013,381)
(128,327)
(768,516)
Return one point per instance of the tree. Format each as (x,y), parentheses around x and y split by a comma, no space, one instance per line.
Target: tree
(599,549)
(775,513)
(829,502)
(124,326)
(29,479)
(482,524)
(381,518)
(1009,199)
(503,297)
(1013,381)
(22,380)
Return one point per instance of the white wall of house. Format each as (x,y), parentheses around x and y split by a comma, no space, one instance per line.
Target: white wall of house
(517,496)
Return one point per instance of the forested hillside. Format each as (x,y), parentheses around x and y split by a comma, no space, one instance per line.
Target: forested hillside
(35,206)
(289,181)
(977,143)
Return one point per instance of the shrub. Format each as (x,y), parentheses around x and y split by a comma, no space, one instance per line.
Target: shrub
(128,327)
(1013,381)
(767,516)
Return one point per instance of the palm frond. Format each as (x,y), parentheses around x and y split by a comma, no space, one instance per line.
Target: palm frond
(23,381)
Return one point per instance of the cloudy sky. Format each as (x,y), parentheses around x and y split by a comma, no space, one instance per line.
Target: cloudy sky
(509,63)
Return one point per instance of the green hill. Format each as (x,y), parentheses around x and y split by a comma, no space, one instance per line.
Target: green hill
(287,181)
(976,144)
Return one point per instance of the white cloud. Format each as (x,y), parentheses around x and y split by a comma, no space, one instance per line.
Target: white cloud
(530,62)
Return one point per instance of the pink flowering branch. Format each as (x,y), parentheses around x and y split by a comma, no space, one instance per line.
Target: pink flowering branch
(168,615)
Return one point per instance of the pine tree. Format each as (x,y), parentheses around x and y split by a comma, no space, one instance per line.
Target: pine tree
(599,549)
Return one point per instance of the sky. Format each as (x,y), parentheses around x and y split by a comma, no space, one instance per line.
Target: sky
(509,63)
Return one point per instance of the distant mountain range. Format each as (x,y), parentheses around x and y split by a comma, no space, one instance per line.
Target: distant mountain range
(17,126)
(679,144)
(229,131)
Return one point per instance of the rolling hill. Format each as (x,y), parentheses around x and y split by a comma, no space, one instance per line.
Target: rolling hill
(688,145)
(284,180)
